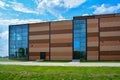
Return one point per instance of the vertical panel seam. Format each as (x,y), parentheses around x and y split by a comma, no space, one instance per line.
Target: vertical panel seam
(49,40)
(99,39)
(28,42)
(86,39)
(72,38)
(9,42)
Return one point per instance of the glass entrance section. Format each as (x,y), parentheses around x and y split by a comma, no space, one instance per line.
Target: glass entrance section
(18,42)
(79,39)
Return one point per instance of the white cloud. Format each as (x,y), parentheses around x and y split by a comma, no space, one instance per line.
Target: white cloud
(17,7)
(85,14)
(18,21)
(3,5)
(73,3)
(57,7)
(105,9)
(21,8)
(4,35)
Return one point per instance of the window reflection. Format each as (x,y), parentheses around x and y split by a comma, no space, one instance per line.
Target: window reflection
(18,41)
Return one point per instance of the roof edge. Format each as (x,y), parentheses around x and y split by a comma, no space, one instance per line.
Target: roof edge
(97,16)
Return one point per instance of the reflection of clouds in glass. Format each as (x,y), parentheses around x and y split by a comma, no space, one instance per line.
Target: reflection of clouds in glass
(19,37)
(76,44)
(13,36)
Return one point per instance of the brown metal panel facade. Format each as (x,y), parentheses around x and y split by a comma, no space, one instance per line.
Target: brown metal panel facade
(92,39)
(61,40)
(56,39)
(110,38)
(38,40)
(53,38)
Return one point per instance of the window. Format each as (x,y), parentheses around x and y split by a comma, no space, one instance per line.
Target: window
(18,41)
(79,39)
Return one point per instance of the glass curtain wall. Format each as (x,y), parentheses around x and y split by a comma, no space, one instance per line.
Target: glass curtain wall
(79,39)
(18,42)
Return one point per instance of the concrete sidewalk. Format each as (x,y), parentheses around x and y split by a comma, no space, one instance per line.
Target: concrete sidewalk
(87,64)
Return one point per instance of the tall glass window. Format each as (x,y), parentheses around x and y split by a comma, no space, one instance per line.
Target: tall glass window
(79,39)
(18,42)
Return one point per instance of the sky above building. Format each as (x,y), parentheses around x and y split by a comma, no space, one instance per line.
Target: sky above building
(32,11)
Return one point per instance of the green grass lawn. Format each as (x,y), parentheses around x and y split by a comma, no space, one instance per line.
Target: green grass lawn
(10,72)
(63,61)
(8,60)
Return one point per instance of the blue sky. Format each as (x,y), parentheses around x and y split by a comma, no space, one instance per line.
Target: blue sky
(30,11)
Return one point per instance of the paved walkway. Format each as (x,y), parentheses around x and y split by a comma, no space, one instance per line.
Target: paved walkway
(99,64)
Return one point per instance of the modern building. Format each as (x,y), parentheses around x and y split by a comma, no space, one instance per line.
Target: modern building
(95,37)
